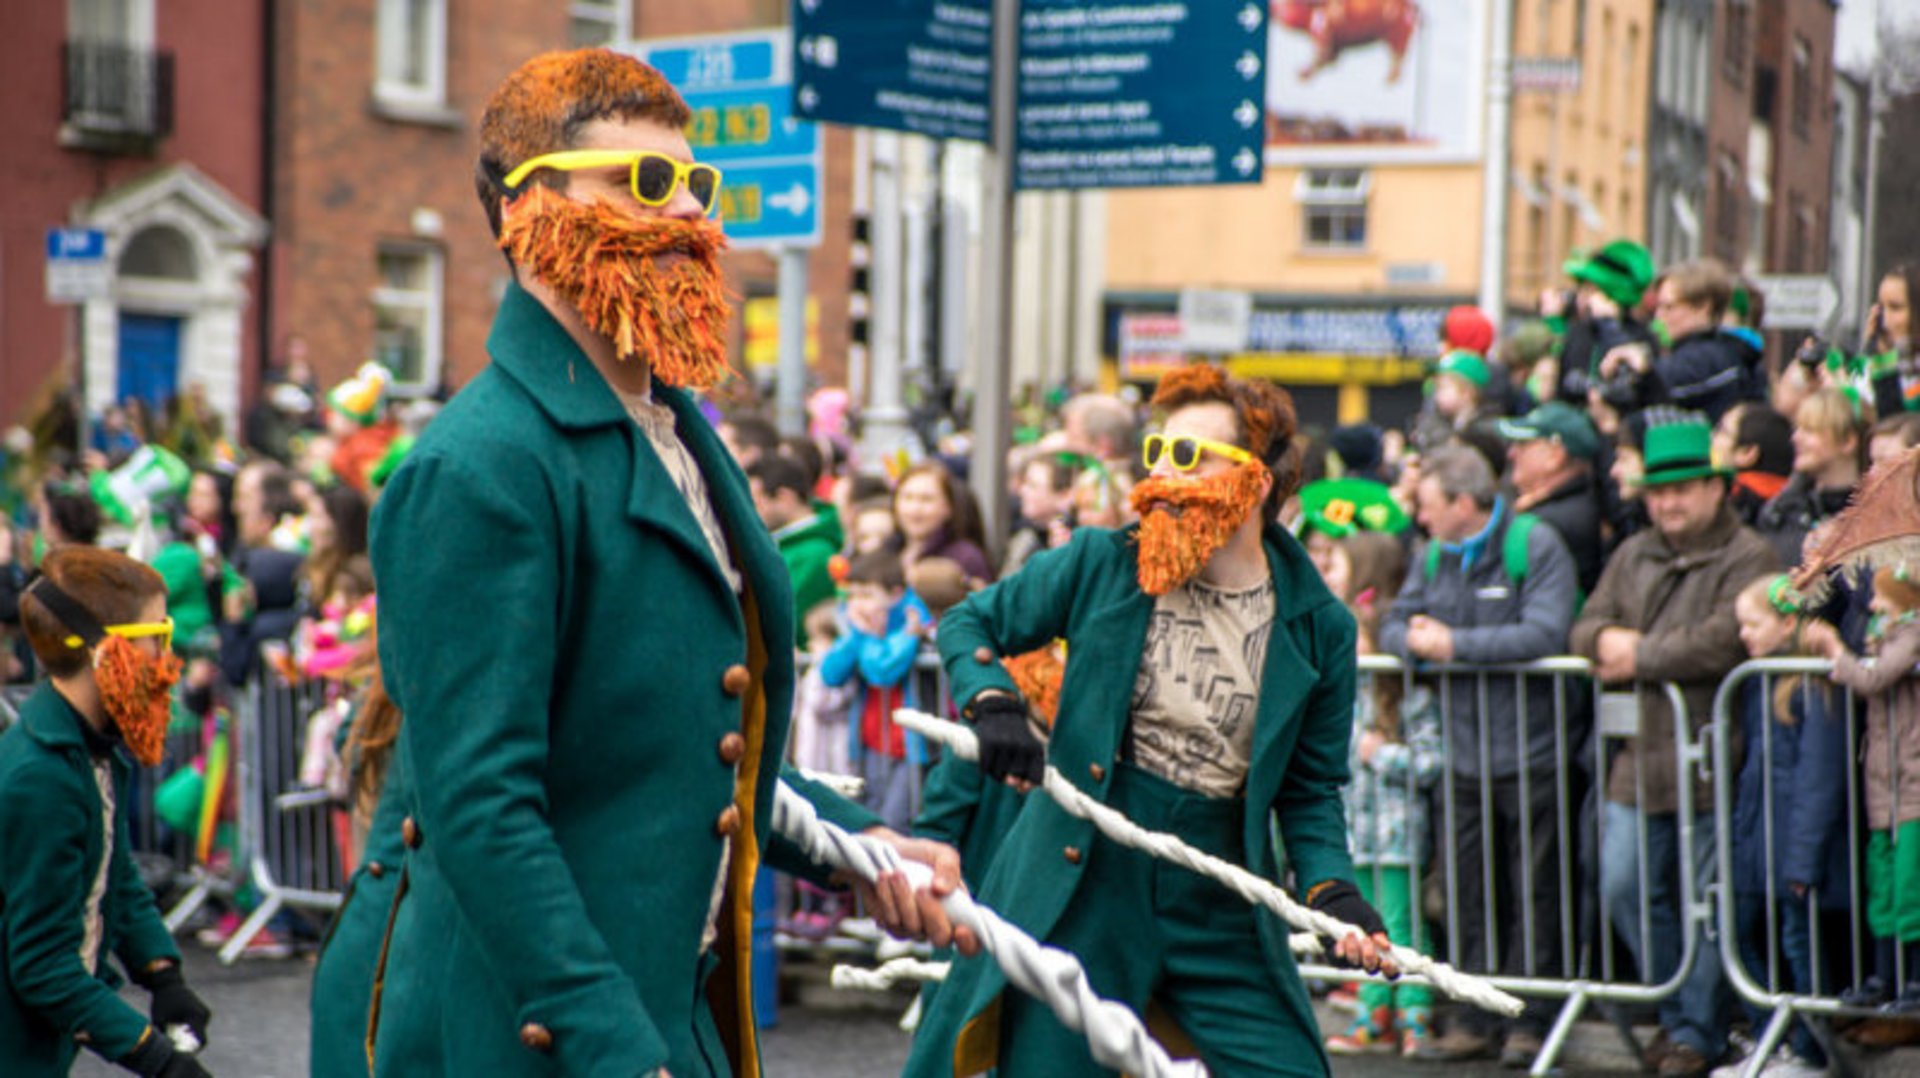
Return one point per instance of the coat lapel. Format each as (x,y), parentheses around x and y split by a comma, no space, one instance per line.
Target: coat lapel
(1287,675)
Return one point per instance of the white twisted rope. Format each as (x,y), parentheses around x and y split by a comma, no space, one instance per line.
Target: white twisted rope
(889,973)
(1115,1035)
(848,786)
(1255,890)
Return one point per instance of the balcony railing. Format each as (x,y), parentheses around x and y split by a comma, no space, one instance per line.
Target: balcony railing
(117,92)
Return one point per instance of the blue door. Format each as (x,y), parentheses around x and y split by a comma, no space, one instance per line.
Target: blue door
(149,357)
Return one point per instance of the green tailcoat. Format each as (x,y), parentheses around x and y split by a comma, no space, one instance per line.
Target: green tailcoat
(53,841)
(1086,593)
(590,713)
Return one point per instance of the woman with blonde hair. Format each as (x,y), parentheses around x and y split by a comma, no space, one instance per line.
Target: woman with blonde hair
(1829,457)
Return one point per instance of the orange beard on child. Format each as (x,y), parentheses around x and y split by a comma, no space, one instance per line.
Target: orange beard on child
(1184,522)
(137,692)
(607,264)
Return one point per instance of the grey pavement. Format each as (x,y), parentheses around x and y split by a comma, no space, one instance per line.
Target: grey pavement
(260,1031)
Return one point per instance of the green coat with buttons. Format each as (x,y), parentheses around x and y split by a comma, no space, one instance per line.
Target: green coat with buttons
(1086,593)
(54,850)
(593,719)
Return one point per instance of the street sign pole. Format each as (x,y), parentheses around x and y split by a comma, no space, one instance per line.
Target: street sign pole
(790,389)
(885,427)
(992,394)
(1493,173)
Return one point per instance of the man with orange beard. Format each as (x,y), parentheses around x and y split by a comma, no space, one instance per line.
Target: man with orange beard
(1208,692)
(590,633)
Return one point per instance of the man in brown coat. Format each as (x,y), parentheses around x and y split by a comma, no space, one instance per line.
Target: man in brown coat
(1663,612)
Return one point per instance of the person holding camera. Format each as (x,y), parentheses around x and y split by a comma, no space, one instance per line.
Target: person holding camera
(1599,314)
(1704,369)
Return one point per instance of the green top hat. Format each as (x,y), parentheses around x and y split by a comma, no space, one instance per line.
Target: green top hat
(1340,507)
(1679,447)
(1622,269)
(1557,420)
(1466,365)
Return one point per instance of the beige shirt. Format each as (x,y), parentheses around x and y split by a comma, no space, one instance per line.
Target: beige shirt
(656,421)
(1198,686)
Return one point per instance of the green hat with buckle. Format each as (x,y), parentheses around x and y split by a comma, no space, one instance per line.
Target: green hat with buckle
(1679,447)
(1559,421)
(1340,507)
(1622,269)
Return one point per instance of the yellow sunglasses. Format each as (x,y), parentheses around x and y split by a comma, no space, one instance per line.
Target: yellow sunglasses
(653,176)
(1185,451)
(134,631)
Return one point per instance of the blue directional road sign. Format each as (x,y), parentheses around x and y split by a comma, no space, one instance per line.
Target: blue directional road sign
(923,66)
(739,88)
(77,268)
(1121,93)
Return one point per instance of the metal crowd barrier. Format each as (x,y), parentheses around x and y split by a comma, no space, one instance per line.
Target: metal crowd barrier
(1582,719)
(1771,989)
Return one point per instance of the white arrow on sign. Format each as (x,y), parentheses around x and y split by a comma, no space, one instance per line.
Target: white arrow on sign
(1249,17)
(794,200)
(808,99)
(1248,65)
(1244,161)
(810,6)
(1247,114)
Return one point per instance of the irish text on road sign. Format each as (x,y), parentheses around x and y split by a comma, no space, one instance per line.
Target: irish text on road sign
(923,66)
(77,266)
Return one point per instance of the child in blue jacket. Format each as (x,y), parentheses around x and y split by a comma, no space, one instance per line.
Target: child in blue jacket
(885,624)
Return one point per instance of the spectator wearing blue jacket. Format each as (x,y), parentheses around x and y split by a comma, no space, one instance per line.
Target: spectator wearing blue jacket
(1789,822)
(885,626)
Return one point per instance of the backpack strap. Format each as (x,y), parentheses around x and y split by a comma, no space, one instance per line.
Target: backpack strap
(1513,551)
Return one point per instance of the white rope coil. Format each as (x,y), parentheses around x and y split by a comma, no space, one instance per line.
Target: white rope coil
(1257,891)
(1115,1035)
(888,973)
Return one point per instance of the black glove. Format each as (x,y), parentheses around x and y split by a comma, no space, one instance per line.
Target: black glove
(1009,747)
(1338,898)
(175,1004)
(155,1058)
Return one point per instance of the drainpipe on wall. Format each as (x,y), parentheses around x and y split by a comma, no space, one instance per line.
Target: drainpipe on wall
(269,116)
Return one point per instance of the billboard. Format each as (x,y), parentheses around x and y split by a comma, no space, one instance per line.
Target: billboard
(1357,81)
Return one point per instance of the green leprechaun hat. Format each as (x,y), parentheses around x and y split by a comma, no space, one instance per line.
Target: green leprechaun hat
(1340,507)
(1622,269)
(1679,447)
(363,397)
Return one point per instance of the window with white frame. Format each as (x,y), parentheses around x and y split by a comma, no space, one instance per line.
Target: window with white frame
(407,313)
(410,51)
(1333,208)
(600,22)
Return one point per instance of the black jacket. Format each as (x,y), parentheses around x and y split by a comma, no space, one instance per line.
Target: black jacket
(1793,512)
(1708,372)
(1573,508)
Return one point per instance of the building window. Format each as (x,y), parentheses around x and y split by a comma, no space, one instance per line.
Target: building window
(600,22)
(1333,208)
(1733,54)
(411,51)
(1802,86)
(1727,209)
(407,316)
(1796,235)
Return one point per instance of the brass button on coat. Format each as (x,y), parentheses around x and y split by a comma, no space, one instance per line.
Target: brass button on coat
(1097,772)
(728,822)
(1072,854)
(983,655)
(735,680)
(376,869)
(732,748)
(536,1036)
(410,833)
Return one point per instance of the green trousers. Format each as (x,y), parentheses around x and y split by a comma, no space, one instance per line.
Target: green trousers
(1149,930)
(1893,883)
(1389,889)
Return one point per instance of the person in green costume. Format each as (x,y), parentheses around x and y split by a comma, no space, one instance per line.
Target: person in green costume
(70,893)
(590,633)
(1208,692)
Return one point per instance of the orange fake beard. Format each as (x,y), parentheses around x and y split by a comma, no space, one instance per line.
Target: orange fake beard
(1184,522)
(137,693)
(607,265)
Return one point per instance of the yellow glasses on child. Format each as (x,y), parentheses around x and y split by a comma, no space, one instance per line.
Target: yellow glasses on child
(134,631)
(1184,451)
(653,176)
